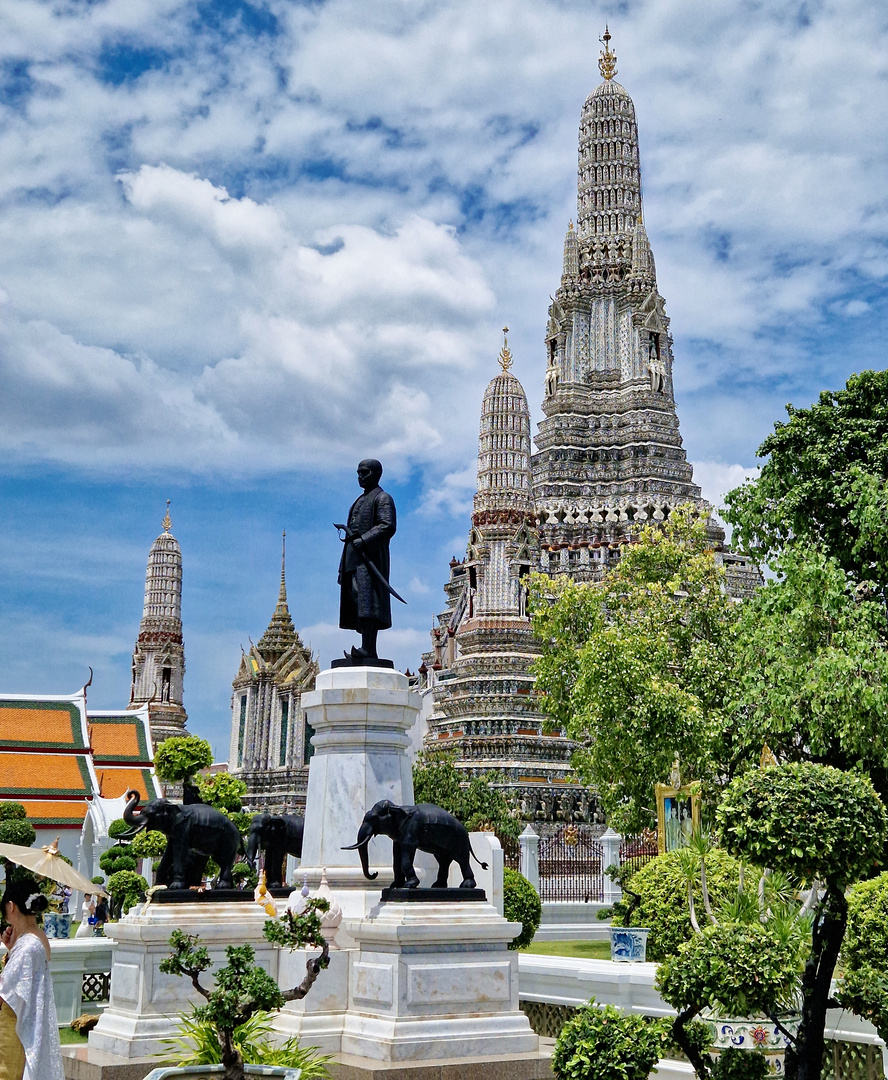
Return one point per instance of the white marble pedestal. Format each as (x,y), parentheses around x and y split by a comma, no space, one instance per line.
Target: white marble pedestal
(145,1004)
(432,981)
(360,717)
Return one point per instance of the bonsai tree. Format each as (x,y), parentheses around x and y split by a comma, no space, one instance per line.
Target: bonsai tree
(222,790)
(864,984)
(242,987)
(812,823)
(126,888)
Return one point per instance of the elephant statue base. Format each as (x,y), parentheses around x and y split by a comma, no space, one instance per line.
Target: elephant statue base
(432,896)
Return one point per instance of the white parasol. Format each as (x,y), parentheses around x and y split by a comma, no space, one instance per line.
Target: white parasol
(46,862)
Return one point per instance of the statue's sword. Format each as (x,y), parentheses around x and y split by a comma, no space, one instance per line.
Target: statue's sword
(375,572)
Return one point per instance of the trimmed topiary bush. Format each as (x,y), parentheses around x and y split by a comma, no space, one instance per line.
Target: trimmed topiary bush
(177,759)
(736,1064)
(606,1044)
(521,903)
(662,886)
(864,984)
(149,844)
(118,827)
(126,888)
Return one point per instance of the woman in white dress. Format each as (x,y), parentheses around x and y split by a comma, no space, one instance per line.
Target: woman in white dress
(87,911)
(29,1028)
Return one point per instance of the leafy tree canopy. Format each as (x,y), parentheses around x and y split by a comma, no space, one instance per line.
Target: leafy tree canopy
(824,481)
(637,667)
(180,757)
(223,791)
(812,670)
(480,804)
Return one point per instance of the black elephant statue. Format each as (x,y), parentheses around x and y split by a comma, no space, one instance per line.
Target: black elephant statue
(424,827)
(278,835)
(195,833)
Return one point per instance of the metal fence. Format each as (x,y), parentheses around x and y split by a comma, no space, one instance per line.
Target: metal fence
(638,851)
(511,854)
(571,866)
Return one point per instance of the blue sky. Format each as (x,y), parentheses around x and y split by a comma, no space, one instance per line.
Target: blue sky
(243,245)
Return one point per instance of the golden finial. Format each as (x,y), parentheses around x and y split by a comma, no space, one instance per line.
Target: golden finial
(570,225)
(505,356)
(167,521)
(767,759)
(607,61)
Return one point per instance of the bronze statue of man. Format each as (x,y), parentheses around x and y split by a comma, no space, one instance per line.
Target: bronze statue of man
(365,602)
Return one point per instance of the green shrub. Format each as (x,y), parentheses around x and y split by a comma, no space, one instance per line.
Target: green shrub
(197,1043)
(521,903)
(98,879)
(117,858)
(741,968)
(864,984)
(811,821)
(179,758)
(149,844)
(737,1064)
(126,888)
(12,811)
(223,791)
(118,827)
(606,1044)
(662,886)
(17,831)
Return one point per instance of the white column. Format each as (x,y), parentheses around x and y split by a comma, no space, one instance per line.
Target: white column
(610,856)
(361,717)
(529,856)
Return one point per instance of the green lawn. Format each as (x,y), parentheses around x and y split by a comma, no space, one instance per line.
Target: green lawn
(70,1038)
(588,950)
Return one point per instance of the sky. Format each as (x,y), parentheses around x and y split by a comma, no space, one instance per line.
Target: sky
(246,243)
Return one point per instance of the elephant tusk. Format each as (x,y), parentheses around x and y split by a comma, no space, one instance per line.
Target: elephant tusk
(354,847)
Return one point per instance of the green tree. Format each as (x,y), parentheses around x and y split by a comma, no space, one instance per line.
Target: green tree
(637,668)
(223,791)
(812,669)
(14,826)
(480,804)
(824,481)
(177,759)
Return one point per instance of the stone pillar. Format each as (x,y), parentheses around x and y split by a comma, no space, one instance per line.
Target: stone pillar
(360,717)
(610,856)
(529,858)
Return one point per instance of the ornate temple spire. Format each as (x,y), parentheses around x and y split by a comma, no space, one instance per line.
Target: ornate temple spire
(571,254)
(504,444)
(159,656)
(607,60)
(609,189)
(281,633)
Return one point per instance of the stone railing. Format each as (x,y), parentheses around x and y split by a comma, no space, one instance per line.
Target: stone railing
(72,959)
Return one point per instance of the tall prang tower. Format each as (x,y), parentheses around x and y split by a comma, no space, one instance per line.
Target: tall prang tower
(609,452)
(270,739)
(484,711)
(159,656)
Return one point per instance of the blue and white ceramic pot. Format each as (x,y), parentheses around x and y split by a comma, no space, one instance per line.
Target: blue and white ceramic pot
(755,1033)
(629,943)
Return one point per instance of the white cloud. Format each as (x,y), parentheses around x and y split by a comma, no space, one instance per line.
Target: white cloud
(717,478)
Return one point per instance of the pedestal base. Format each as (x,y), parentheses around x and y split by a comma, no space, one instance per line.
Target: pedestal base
(145,1004)
(434,980)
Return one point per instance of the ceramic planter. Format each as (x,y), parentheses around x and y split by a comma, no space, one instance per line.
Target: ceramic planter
(756,1033)
(629,943)
(209,1072)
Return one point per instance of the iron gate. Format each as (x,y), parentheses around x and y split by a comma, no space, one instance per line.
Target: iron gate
(571,866)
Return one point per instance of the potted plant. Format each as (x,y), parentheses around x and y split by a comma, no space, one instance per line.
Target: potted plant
(243,989)
(602,1043)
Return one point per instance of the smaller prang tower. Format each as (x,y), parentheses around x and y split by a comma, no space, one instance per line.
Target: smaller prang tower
(484,711)
(159,656)
(270,739)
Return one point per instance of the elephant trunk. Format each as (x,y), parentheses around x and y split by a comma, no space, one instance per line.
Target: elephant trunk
(252,848)
(131,816)
(365,835)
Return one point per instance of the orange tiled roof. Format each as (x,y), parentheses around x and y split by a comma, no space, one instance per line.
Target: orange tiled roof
(115,782)
(64,814)
(38,724)
(118,738)
(43,774)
